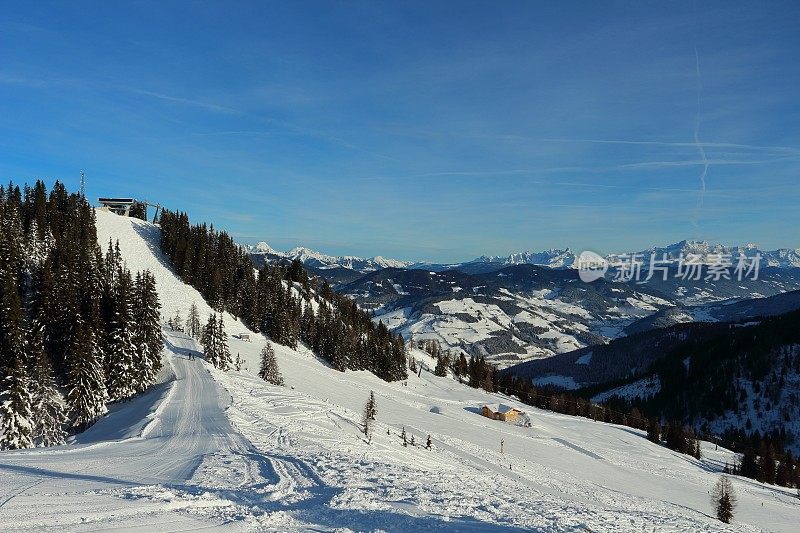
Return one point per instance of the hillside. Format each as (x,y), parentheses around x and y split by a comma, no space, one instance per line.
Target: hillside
(745,378)
(518,313)
(139,244)
(735,379)
(229,451)
(747,309)
(526,312)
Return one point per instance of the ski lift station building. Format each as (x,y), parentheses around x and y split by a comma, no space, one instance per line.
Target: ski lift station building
(119,206)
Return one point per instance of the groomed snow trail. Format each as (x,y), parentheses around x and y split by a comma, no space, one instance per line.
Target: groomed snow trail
(187,459)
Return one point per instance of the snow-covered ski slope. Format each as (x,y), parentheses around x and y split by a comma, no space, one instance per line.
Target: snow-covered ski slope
(227,451)
(139,243)
(121,474)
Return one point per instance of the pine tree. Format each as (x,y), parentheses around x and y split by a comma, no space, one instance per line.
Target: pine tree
(16,429)
(87,394)
(37,246)
(48,406)
(209,341)
(120,374)
(767,464)
(269,371)
(369,416)
(146,331)
(237,365)
(151,320)
(193,322)
(224,353)
(749,466)
(403,436)
(783,476)
(441,366)
(654,431)
(723,497)
(176,323)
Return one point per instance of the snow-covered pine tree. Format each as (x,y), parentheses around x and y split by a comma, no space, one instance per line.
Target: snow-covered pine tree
(152,320)
(12,242)
(37,246)
(120,374)
(16,429)
(276,324)
(223,352)
(268,370)
(209,341)
(87,394)
(307,323)
(369,416)
(193,321)
(146,330)
(237,364)
(48,403)
(337,350)
(177,322)
(143,374)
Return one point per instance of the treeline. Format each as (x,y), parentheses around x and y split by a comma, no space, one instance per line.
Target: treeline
(706,378)
(76,329)
(280,302)
(478,373)
(674,435)
(475,371)
(768,465)
(744,371)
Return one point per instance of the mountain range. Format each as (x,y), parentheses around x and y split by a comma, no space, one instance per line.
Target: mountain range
(702,251)
(532,305)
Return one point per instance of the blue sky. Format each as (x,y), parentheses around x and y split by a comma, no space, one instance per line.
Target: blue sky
(430,130)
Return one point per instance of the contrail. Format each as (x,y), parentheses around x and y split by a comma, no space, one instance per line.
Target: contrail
(748,147)
(697,142)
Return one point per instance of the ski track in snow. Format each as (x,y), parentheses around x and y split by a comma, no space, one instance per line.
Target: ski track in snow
(227,451)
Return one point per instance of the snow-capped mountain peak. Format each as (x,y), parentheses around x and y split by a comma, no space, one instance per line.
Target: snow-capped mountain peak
(389,263)
(317,259)
(555,258)
(710,252)
(263,247)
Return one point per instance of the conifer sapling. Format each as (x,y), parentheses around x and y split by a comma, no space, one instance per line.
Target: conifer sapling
(723,497)
(268,370)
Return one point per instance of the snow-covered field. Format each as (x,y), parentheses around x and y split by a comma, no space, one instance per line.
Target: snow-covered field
(467,320)
(228,451)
